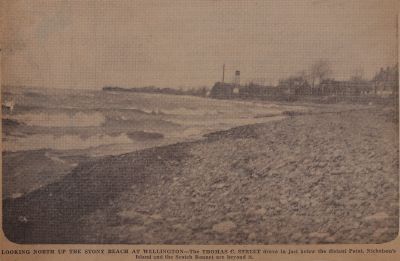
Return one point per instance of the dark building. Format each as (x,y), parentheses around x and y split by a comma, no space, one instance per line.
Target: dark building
(386,81)
(344,88)
(253,90)
(222,90)
(295,86)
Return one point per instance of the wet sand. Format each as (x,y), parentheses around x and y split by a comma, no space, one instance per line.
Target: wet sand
(316,178)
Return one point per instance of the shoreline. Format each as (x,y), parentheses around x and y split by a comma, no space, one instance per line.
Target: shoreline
(98,194)
(63,161)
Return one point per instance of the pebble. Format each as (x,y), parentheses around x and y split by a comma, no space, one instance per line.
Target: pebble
(319,235)
(379,232)
(156,217)
(179,227)
(219,185)
(252,236)
(377,217)
(224,227)
(260,211)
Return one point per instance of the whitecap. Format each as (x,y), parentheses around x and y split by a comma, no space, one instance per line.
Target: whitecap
(79,119)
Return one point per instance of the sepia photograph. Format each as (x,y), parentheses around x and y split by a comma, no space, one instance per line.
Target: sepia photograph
(195,122)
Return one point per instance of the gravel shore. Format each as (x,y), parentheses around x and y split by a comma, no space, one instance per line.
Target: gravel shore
(317,178)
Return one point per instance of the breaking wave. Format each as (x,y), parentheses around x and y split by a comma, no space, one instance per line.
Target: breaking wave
(79,119)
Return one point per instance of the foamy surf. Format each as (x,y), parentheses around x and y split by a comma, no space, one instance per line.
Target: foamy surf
(79,119)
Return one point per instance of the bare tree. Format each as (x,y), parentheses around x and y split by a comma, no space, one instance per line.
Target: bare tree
(358,75)
(305,75)
(319,71)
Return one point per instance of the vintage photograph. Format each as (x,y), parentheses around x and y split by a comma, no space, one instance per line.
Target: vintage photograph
(200,122)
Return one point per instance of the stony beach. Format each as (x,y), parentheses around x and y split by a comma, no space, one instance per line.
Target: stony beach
(323,177)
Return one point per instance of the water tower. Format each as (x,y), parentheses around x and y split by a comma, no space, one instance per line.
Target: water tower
(237,79)
(236,82)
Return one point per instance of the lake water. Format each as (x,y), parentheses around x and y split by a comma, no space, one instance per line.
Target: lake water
(116,122)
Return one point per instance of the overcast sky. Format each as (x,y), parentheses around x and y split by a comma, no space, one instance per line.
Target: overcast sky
(89,44)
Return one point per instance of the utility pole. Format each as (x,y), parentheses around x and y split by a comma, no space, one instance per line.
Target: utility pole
(223,73)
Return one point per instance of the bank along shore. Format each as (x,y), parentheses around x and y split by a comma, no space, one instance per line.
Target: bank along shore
(314,178)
